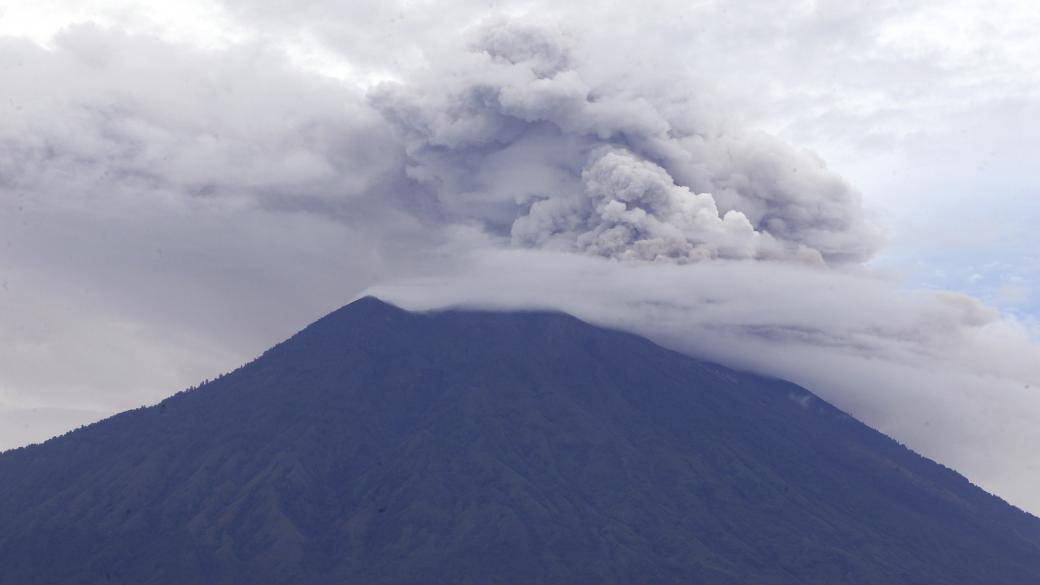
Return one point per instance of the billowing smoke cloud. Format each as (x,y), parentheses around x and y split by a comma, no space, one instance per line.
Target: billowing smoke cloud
(515,135)
(631,209)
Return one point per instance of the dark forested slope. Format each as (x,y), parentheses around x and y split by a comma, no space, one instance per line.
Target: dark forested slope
(379,446)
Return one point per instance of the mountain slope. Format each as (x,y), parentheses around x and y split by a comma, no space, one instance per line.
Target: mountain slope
(380,446)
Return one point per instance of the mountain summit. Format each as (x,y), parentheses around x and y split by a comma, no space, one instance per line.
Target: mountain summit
(379,446)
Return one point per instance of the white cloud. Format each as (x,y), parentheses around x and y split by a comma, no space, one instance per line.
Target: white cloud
(200,23)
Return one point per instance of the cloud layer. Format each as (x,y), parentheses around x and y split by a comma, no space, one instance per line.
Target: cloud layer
(939,371)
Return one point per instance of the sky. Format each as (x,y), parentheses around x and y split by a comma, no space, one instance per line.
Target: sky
(841,195)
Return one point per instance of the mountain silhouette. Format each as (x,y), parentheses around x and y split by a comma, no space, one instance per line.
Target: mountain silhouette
(379,446)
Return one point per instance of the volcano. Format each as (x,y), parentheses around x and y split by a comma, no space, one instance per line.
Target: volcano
(379,446)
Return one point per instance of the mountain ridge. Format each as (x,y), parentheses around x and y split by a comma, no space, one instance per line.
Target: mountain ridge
(382,446)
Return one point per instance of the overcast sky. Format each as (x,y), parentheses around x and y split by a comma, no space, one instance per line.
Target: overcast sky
(841,195)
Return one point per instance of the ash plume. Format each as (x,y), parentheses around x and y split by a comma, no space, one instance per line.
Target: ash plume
(513,133)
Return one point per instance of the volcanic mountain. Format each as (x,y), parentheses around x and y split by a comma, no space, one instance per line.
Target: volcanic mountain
(379,446)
